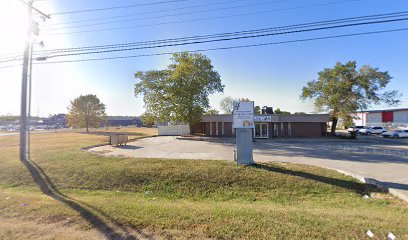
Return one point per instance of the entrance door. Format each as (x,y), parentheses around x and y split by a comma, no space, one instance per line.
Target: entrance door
(261,130)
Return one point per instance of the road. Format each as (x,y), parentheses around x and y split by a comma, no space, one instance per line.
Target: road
(33,132)
(385,160)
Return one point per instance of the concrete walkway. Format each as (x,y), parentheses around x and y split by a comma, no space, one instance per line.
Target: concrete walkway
(367,158)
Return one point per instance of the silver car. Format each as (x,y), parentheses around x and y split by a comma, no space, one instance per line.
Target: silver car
(396,134)
(372,130)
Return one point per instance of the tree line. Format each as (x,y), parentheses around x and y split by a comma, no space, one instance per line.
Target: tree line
(180,93)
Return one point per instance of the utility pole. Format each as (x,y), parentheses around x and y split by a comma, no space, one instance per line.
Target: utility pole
(29,103)
(26,62)
(23,113)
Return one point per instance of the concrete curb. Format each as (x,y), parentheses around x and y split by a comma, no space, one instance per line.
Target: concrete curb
(374,182)
(105,144)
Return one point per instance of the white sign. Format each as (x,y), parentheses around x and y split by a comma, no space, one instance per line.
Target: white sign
(262,118)
(243,115)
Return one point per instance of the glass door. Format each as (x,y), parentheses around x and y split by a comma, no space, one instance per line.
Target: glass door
(261,130)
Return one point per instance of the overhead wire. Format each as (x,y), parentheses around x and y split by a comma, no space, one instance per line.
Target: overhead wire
(164,16)
(196,19)
(218,48)
(231,47)
(322,25)
(224,39)
(117,7)
(145,13)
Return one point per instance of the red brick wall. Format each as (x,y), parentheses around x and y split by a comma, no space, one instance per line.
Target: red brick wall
(307,129)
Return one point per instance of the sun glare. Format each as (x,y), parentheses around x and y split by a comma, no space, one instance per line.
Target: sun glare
(13,18)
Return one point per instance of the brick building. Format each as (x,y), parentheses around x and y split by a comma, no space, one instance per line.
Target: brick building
(267,125)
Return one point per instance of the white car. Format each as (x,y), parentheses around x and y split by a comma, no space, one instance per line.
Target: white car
(396,134)
(355,129)
(372,130)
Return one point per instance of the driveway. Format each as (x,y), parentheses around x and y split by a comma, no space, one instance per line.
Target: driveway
(385,160)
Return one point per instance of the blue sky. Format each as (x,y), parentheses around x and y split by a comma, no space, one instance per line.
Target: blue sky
(269,75)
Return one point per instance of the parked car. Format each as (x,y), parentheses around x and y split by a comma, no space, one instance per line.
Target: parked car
(396,134)
(372,130)
(355,129)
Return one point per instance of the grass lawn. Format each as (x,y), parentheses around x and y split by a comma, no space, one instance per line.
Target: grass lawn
(67,193)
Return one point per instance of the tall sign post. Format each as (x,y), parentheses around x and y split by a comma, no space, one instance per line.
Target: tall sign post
(243,123)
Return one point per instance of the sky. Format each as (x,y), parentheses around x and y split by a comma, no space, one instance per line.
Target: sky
(270,75)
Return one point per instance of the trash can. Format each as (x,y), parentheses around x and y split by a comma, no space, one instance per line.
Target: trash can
(118,139)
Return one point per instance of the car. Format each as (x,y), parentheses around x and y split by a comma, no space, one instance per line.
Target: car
(355,129)
(372,130)
(396,134)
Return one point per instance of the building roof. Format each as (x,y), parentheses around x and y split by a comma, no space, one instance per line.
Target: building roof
(273,118)
(386,110)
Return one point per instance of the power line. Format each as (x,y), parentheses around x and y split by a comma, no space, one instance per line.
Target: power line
(231,47)
(117,7)
(310,24)
(221,48)
(166,15)
(227,39)
(322,25)
(145,13)
(200,19)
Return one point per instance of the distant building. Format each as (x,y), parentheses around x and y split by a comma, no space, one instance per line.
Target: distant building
(56,120)
(124,121)
(385,117)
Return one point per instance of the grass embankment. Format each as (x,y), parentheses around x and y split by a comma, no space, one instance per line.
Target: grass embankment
(83,194)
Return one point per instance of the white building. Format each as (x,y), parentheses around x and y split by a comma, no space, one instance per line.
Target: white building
(387,117)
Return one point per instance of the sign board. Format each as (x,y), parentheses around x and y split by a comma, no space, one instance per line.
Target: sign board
(243,115)
(262,118)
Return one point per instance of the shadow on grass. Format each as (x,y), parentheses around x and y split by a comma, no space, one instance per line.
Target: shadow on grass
(109,227)
(360,188)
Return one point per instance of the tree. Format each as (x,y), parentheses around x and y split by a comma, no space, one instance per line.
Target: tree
(299,113)
(180,92)
(344,89)
(212,112)
(279,111)
(86,111)
(148,119)
(257,110)
(227,105)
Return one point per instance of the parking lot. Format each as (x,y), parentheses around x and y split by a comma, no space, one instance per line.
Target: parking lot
(385,160)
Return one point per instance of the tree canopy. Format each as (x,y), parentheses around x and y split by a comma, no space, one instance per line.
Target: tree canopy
(180,92)
(279,111)
(86,112)
(227,105)
(148,119)
(344,90)
(212,112)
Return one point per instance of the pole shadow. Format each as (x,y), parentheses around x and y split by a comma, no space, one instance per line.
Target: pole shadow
(360,188)
(109,227)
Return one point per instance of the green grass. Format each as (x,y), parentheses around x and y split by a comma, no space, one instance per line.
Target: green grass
(183,198)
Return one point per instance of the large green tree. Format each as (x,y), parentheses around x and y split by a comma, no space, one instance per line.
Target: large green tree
(180,92)
(86,112)
(344,89)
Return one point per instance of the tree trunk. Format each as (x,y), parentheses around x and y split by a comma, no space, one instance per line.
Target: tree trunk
(334,126)
(190,128)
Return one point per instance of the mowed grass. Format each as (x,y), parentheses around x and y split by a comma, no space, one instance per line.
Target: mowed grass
(180,199)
